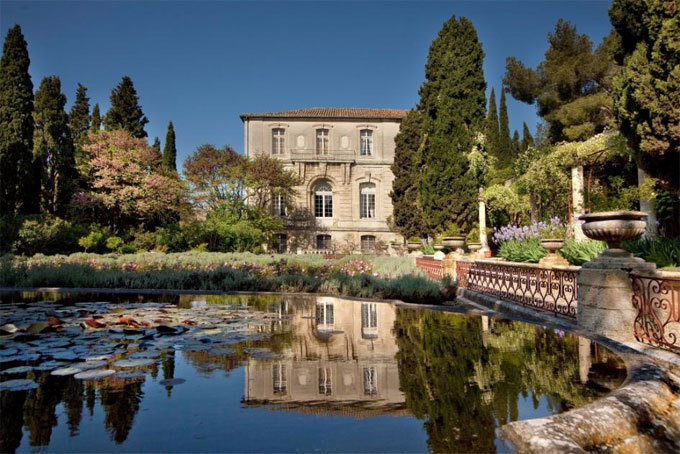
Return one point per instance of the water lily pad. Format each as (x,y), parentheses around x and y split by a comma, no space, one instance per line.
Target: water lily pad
(146,354)
(94,374)
(126,363)
(172,381)
(50,365)
(9,352)
(38,327)
(17,370)
(130,374)
(21,384)
(87,365)
(64,355)
(99,357)
(66,371)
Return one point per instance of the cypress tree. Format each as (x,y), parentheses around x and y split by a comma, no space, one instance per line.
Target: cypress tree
(406,215)
(516,144)
(453,98)
(95,120)
(527,138)
(157,144)
(125,112)
(16,125)
(505,154)
(491,129)
(53,149)
(169,150)
(79,116)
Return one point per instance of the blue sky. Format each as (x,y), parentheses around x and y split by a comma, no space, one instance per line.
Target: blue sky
(201,64)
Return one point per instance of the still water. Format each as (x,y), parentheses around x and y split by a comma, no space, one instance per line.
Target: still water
(278,374)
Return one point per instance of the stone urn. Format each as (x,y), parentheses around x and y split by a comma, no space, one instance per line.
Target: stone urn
(552,245)
(414,245)
(615,227)
(454,242)
(438,247)
(474,247)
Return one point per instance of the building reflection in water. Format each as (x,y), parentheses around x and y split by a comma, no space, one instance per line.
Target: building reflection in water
(342,359)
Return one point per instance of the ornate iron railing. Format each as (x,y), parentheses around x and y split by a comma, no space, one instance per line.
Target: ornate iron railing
(547,289)
(431,267)
(657,300)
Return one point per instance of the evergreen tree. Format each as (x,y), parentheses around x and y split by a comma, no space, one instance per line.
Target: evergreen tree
(406,215)
(16,125)
(491,128)
(453,99)
(53,149)
(516,145)
(505,152)
(79,116)
(157,144)
(95,120)
(647,91)
(169,150)
(527,138)
(125,112)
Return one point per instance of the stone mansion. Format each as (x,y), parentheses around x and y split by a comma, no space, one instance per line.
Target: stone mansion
(343,156)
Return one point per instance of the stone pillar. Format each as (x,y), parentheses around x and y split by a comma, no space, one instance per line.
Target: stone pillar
(577,203)
(646,206)
(605,294)
(482,227)
(449,265)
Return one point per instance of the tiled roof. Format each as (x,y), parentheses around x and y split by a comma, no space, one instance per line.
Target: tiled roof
(332,112)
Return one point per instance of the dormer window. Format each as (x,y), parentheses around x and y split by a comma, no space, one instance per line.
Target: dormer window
(366,142)
(278,141)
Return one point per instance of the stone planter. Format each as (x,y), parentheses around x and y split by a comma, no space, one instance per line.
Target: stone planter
(438,247)
(454,242)
(474,247)
(614,227)
(552,245)
(413,246)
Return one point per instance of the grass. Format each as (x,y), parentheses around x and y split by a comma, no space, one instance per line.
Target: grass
(367,276)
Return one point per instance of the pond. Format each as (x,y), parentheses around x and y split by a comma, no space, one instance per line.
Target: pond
(277,373)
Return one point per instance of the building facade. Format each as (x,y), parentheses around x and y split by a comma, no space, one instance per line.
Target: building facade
(343,156)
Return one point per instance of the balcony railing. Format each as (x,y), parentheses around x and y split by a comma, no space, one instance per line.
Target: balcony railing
(657,300)
(306,155)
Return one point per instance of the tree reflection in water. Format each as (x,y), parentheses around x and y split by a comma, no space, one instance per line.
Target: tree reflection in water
(465,380)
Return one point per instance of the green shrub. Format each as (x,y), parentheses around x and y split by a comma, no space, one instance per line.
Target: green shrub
(664,252)
(526,250)
(114,243)
(427,249)
(91,241)
(580,252)
(46,234)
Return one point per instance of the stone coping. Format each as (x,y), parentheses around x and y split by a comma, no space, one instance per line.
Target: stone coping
(498,261)
(661,274)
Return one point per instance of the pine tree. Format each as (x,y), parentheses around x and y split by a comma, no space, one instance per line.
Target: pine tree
(169,150)
(53,149)
(406,215)
(125,112)
(491,129)
(16,125)
(79,116)
(157,144)
(527,138)
(95,120)
(505,152)
(453,99)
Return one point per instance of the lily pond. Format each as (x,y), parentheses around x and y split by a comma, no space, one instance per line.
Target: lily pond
(277,373)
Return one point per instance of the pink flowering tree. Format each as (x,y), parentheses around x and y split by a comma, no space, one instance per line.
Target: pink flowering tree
(125,183)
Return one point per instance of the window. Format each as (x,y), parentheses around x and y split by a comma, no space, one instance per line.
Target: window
(280,243)
(322,141)
(280,382)
(366,142)
(325,317)
(367,200)
(279,207)
(323,242)
(370,381)
(325,380)
(367,243)
(323,200)
(278,140)
(369,320)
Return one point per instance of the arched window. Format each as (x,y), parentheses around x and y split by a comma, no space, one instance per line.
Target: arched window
(323,200)
(366,142)
(367,200)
